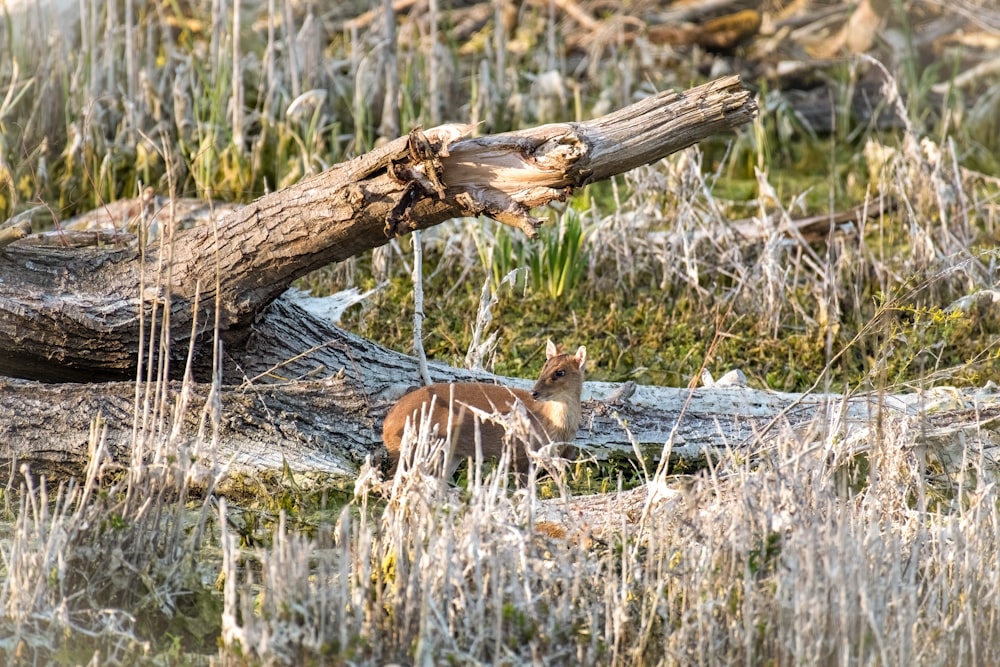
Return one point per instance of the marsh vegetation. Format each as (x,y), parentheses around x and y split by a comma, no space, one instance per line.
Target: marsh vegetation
(845,243)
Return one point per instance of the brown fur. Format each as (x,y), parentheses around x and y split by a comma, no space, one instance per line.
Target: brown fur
(552,408)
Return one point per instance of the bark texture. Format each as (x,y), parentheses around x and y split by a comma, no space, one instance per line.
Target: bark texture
(280,419)
(82,314)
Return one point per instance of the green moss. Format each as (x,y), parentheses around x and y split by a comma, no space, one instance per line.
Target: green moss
(256,503)
(664,339)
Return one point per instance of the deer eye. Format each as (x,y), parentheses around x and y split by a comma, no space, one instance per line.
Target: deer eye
(560,373)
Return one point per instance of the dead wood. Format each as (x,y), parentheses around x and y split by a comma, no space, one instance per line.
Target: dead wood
(320,415)
(14,232)
(815,228)
(83,314)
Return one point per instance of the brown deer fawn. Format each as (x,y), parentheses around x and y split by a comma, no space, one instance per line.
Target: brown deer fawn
(458,410)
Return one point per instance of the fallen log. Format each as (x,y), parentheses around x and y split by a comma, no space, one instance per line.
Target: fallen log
(84,314)
(319,417)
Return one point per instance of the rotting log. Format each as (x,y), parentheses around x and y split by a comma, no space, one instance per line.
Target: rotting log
(83,314)
(325,428)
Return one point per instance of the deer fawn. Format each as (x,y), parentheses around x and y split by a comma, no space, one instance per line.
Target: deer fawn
(458,410)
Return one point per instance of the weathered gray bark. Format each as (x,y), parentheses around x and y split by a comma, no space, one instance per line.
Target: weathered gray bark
(79,314)
(328,426)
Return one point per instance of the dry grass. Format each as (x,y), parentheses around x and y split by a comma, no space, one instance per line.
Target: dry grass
(99,572)
(792,562)
(783,558)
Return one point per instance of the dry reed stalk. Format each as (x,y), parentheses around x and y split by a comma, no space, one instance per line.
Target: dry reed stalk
(755,564)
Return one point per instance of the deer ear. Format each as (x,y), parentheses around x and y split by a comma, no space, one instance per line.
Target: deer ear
(550,349)
(581,356)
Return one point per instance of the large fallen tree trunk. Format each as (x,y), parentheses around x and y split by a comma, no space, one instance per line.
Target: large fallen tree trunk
(84,314)
(326,428)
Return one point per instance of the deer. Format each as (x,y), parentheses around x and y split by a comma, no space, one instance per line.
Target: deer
(548,415)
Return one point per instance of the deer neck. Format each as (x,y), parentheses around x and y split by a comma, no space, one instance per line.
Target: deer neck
(562,418)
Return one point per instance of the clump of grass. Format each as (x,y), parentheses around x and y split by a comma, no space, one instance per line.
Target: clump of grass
(556,262)
(773,563)
(111,567)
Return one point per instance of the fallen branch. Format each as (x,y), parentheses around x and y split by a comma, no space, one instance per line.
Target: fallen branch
(80,314)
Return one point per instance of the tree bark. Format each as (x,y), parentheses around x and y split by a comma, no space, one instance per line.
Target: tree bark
(83,314)
(326,428)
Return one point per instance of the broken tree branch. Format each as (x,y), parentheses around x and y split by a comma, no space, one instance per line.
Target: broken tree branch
(79,314)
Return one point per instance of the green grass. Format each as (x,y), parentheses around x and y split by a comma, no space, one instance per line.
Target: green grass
(663,338)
